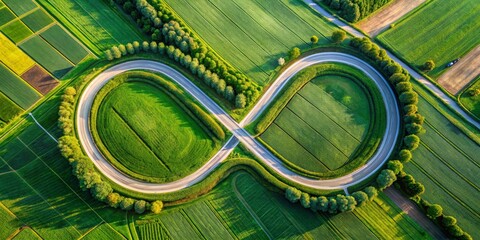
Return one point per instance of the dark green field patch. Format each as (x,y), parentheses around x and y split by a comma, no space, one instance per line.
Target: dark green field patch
(16,31)
(8,109)
(5,16)
(47,56)
(16,89)
(64,43)
(37,20)
(20,7)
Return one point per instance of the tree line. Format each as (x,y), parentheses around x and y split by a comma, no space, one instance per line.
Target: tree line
(157,21)
(354,10)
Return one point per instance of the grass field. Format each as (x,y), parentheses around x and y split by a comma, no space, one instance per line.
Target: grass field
(27,234)
(103,232)
(47,56)
(8,109)
(37,20)
(150,134)
(16,31)
(94,23)
(238,30)
(447,163)
(440,30)
(13,57)
(471,103)
(16,89)
(20,7)
(241,208)
(64,43)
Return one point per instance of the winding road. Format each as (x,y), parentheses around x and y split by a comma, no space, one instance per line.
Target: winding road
(239,133)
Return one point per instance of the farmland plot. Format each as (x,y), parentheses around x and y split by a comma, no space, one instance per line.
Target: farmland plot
(13,57)
(64,43)
(16,31)
(16,89)
(37,20)
(20,7)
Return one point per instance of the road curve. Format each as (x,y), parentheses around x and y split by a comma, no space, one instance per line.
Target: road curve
(239,133)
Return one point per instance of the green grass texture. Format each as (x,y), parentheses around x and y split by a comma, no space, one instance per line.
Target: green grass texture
(16,89)
(37,20)
(16,31)
(64,43)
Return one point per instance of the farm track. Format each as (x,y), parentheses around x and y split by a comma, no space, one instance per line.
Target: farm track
(239,133)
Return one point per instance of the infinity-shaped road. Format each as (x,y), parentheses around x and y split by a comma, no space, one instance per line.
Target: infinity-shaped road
(239,133)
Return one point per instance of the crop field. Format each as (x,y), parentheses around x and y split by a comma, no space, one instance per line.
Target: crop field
(243,38)
(447,163)
(94,23)
(170,143)
(27,234)
(37,20)
(322,125)
(13,57)
(16,31)
(103,232)
(471,103)
(5,15)
(8,109)
(438,32)
(16,89)
(39,79)
(47,56)
(64,43)
(242,208)
(10,223)
(20,7)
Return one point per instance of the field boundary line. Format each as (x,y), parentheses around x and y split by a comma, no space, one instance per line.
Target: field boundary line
(38,124)
(224,223)
(90,230)
(26,13)
(192,224)
(249,209)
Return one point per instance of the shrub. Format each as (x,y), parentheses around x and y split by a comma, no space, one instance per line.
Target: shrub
(434,211)
(405,155)
(156,207)
(293,194)
(448,221)
(411,142)
(386,178)
(371,191)
(281,61)
(140,206)
(361,197)
(428,65)
(338,36)
(295,53)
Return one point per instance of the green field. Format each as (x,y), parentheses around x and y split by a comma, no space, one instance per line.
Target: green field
(10,223)
(26,234)
(5,15)
(471,103)
(243,37)
(94,23)
(447,163)
(16,89)
(47,56)
(64,43)
(8,109)
(440,30)
(159,140)
(37,20)
(16,31)
(241,208)
(103,232)
(20,7)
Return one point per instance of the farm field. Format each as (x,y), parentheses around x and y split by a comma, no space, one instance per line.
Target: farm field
(37,20)
(8,109)
(64,43)
(240,207)
(471,103)
(16,89)
(13,57)
(103,232)
(462,73)
(27,234)
(94,23)
(243,38)
(16,31)
(447,163)
(437,32)
(169,141)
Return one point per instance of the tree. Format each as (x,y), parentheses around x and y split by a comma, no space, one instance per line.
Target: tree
(293,194)
(314,203)
(395,165)
(136,46)
(338,36)
(122,49)
(229,93)
(153,46)
(398,78)
(305,200)
(386,178)
(371,191)
(414,128)
(455,231)
(409,97)
(428,65)
(405,155)
(332,205)
(140,206)
(130,48)
(411,142)
(414,189)
(448,221)
(281,61)
(414,118)
(361,197)
(114,199)
(474,92)
(108,55)
(314,39)
(240,101)
(127,204)
(465,236)
(156,207)
(145,46)
(295,53)
(403,87)
(434,211)
(410,109)
(101,190)
(322,204)
(221,86)
(116,52)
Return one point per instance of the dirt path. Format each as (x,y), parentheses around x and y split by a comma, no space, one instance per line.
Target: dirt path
(415,213)
(381,20)
(460,74)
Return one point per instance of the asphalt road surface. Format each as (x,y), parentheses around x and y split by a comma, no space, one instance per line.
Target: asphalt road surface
(239,133)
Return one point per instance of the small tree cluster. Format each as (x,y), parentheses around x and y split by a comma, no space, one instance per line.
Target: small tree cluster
(411,187)
(338,36)
(386,178)
(354,10)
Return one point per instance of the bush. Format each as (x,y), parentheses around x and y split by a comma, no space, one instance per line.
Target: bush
(156,207)
(140,206)
(448,221)
(295,53)
(386,178)
(411,142)
(338,36)
(428,65)
(371,191)
(405,155)
(434,211)
(293,194)
(281,61)
(361,198)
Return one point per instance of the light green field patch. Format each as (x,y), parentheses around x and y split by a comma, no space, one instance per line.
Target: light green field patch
(16,31)
(8,109)
(63,42)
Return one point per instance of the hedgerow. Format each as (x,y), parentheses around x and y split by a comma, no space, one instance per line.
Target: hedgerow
(354,10)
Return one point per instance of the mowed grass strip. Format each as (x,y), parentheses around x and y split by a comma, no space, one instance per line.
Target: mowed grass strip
(63,42)
(148,132)
(47,56)
(6,16)
(20,7)
(16,31)
(37,20)
(16,89)
(441,31)
(13,57)
(8,109)
(95,23)
(237,30)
